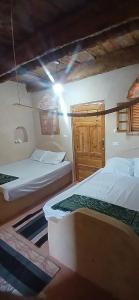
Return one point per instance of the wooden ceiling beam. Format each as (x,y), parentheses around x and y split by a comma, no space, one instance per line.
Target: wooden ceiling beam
(86,24)
(114,60)
(68,50)
(106,63)
(111,61)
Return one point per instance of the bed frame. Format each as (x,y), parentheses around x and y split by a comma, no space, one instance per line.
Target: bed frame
(11,209)
(99,248)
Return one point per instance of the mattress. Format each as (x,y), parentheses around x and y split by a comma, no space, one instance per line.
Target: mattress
(32,176)
(116,189)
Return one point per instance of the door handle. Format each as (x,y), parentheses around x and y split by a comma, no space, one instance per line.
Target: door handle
(103,144)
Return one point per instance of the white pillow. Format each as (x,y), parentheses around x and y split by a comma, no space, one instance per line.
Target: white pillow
(53,157)
(136,167)
(37,154)
(119,166)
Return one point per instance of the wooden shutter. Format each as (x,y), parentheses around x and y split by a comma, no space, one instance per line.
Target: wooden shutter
(134,118)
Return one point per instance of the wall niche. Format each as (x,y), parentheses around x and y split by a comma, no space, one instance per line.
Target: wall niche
(20,135)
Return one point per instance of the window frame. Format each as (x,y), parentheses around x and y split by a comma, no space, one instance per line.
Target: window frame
(128,121)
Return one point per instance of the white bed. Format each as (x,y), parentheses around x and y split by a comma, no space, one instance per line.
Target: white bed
(109,186)
(33,175)
(89,242)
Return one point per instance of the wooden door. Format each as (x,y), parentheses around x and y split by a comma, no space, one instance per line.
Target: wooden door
(88,140)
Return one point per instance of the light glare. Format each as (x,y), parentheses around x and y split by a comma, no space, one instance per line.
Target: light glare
(58,88)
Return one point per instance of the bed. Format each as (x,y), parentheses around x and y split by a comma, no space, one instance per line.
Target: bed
(31,181)
(96,245)
(115,184)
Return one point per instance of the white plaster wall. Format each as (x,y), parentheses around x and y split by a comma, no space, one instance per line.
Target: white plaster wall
(112,87)
(12,117)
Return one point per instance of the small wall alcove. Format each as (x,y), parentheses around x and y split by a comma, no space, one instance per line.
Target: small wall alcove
(20,135)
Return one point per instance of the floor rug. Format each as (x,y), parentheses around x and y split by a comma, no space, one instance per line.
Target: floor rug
(33,227)
(23,270)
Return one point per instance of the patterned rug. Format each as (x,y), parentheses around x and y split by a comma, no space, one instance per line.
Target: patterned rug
(23,270)
(33,227)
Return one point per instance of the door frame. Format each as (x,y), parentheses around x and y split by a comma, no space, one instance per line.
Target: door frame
(102,102)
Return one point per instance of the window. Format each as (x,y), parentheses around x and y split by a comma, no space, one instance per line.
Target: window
(122,119)
(134,119)
(49,123)
(133,111)
(128,120)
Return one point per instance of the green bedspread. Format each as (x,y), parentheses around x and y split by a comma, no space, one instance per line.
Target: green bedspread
(6,178)
(127,216)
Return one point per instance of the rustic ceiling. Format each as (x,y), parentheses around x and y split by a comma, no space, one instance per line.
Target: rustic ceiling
(72,39)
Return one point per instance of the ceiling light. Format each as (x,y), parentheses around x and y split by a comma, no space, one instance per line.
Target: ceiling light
(58,88)
(56,62)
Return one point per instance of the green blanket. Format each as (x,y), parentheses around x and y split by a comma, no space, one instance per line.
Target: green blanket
(127,216)
(6,178)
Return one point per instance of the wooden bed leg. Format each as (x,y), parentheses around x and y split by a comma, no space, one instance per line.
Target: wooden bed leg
(99,248)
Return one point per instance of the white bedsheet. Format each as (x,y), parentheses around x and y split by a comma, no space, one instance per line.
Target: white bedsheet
(120,190)
(33,175)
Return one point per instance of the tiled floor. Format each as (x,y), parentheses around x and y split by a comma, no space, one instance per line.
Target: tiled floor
(65,284)
(38,256)
(69,285)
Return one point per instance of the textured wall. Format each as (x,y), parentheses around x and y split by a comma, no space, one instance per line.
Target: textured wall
(112,87)
(12,117)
